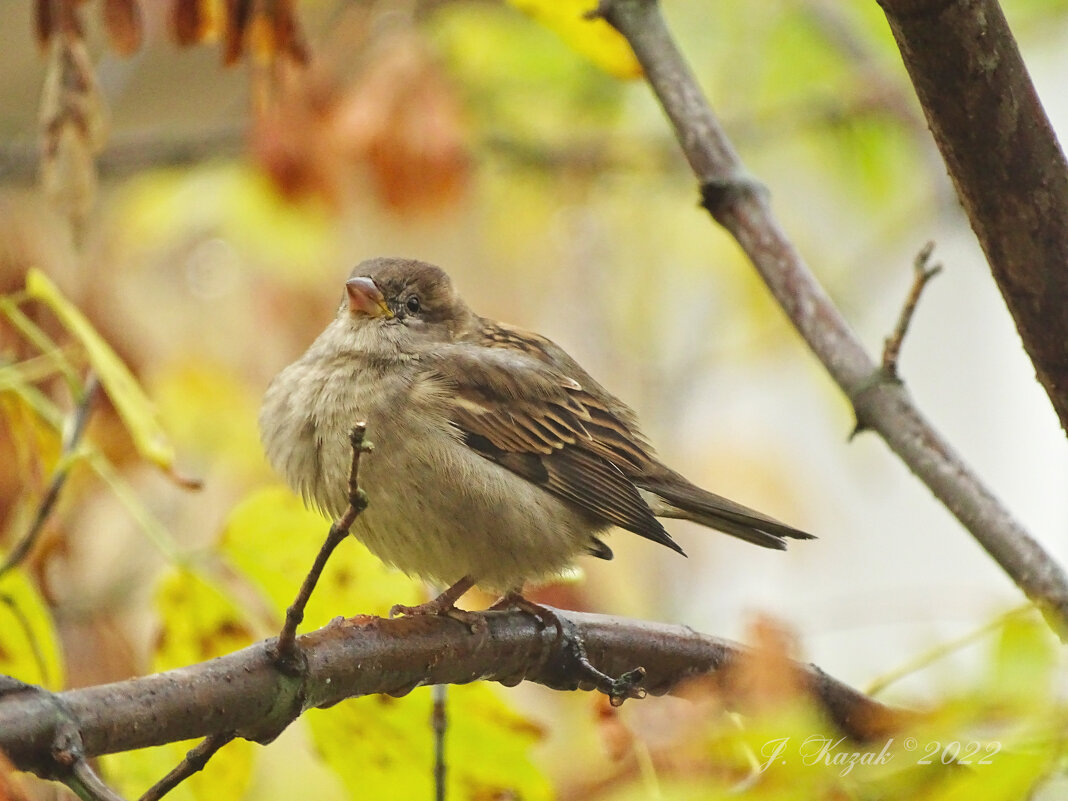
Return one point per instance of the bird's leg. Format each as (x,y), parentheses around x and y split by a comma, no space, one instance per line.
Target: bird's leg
(573,649)
(543,615)
(445,606)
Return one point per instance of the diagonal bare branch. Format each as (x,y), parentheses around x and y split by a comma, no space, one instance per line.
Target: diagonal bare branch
(741,206)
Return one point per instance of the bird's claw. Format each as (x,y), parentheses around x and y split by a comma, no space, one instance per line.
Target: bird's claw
(475,622)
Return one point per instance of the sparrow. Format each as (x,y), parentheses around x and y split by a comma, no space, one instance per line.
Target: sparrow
(498,460)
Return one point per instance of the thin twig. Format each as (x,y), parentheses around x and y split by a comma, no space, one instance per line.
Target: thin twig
(195,760)
(921,275)
(72,437)
(284,649)
(439,722)
(70,762)
(944,649)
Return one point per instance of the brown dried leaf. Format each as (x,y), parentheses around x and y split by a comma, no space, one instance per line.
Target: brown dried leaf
(403,119)
(72,126)
(55,16)
(259,38)
(193,21)
(288,34)
(124,25)
(764,677)
(399,124)
(269,30)
(617,737)
(43,22)
(292,140)
(237,19)
(771,677)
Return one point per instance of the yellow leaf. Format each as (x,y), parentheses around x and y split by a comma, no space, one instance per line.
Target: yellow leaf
(35,445)
(29,650)
(594,39)
(211,411)
(136,410)
(380,746)
(240,205)
(487,746)
(272,539)
(226,776)
(197,623)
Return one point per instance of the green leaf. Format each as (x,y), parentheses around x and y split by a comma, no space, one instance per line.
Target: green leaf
(134,407)
(1011,773)
(29,648)
(382,747)
(1023,662)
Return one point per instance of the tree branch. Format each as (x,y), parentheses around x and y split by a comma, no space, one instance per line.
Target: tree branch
(921,274)
(741,206)
(240,692)
(1002,154)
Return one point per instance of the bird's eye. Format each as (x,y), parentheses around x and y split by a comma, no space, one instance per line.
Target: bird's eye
(412,304)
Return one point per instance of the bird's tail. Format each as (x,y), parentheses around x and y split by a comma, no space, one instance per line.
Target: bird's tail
(678,498)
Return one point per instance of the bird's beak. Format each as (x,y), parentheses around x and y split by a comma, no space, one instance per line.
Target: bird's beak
(366,298)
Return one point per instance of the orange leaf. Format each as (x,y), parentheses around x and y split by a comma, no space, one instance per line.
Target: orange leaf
(193,21)
(404,121)
(122,20)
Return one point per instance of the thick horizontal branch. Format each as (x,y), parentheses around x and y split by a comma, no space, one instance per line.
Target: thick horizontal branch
(1003,156)
(245,693)
(742,208)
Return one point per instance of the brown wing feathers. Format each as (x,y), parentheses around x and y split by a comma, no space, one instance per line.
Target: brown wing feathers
(547,438)
(577,442)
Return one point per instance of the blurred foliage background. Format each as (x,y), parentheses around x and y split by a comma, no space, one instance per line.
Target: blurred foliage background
(518,148)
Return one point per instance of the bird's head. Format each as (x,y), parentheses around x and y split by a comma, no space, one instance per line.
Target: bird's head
(406,302)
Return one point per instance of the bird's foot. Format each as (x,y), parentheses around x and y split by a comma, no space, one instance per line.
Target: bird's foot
(572,650)
(445,606)
(543,615)
(474,621)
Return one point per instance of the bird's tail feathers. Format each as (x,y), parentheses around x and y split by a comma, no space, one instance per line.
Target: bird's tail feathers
(680,499)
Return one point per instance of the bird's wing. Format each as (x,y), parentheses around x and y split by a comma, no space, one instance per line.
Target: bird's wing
(531,418)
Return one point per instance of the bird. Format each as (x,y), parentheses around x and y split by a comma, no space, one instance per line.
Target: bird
(498,459)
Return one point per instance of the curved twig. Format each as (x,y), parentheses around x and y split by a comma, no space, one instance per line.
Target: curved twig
(921,274)
(285,646)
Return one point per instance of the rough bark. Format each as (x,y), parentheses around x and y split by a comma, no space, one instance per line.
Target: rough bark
(1005,162)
